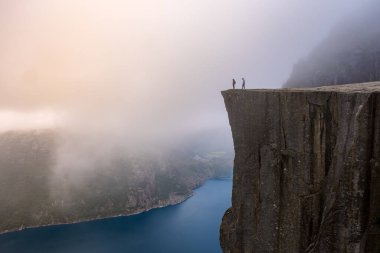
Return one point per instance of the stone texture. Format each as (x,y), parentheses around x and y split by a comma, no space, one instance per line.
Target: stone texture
(306,170)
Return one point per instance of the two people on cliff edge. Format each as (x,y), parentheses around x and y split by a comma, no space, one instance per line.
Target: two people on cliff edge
(234,83)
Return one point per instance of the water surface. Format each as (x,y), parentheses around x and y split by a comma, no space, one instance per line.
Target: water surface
(189,227)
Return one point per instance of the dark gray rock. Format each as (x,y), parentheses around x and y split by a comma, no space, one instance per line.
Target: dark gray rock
(306,170)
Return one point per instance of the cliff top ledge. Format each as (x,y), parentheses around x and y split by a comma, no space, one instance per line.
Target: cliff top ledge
(345,88)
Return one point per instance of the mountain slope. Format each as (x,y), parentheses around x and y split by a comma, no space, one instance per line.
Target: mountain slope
(350,53)
(33,193)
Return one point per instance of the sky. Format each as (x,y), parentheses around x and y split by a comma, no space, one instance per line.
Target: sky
(146,67)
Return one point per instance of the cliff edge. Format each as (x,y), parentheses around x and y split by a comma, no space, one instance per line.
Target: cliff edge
(306,170)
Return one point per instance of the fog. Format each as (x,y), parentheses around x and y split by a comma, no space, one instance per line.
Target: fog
(122,72)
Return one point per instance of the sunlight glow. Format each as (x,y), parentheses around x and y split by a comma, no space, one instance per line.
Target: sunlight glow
(10,121)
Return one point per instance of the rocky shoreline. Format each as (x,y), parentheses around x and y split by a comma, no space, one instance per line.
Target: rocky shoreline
(34,192)
(178,199)
(170,202)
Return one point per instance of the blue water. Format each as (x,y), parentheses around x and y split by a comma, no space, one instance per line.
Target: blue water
(189,227)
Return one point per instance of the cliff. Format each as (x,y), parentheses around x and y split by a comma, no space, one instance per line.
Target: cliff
(306,170)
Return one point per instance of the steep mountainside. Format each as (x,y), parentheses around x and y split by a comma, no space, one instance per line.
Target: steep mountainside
(306,170)
(350,54)
(31,193)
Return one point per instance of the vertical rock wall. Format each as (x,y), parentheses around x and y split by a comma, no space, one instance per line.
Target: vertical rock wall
(306,170)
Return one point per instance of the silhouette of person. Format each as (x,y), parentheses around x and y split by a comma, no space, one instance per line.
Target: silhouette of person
(243,86)
(233,83)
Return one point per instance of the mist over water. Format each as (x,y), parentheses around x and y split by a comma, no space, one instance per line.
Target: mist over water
(181,228)
(349,54)
(130,75)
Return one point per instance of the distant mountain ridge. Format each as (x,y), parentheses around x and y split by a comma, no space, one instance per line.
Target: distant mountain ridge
(349,54)
(32,195)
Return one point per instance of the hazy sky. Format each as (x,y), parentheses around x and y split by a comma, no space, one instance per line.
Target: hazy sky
(147,65)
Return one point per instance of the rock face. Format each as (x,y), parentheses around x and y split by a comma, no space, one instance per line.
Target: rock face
(306,170)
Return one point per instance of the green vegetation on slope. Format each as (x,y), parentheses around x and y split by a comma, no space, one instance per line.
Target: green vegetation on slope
(33,194)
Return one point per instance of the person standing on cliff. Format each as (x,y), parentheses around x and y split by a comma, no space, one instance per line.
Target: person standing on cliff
(243,85)
(233,83)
